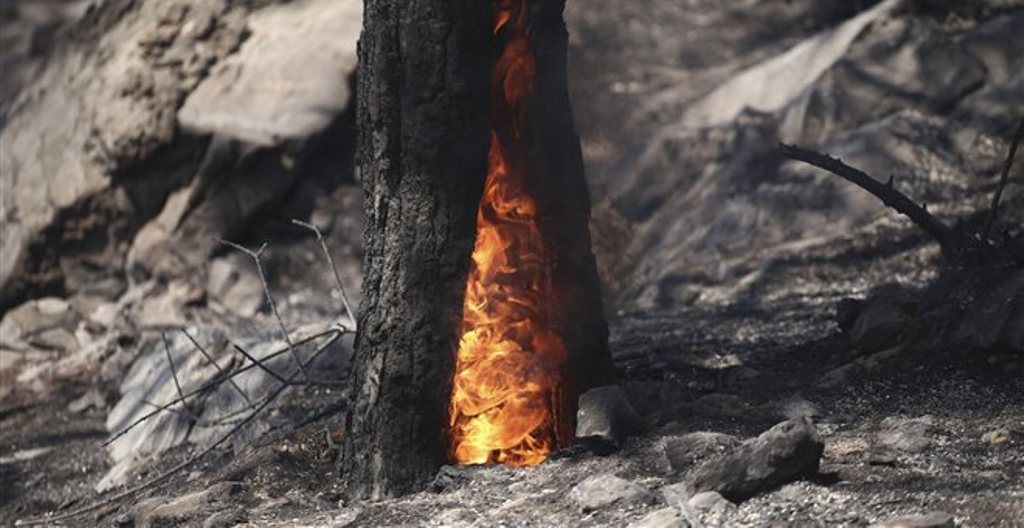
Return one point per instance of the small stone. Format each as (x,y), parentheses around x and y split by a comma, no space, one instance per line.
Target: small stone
(684,451)
(997,437)
(676,494)
(92,399)
(605,419)
(709,501)
(601,491)
(225,519)
(879,326)
(909,436)
(783,453)
(936,519)
(663,518)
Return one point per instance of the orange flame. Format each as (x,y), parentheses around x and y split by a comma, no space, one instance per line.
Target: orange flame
(509,356)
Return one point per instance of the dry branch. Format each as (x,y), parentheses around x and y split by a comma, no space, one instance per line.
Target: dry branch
(255,255)
(336,334)
(334,269)
(886,193)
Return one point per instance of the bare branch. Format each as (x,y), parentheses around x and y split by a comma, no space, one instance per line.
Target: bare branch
(993,212)
(330,260)
(158,479)
(255,255)
(886,193)
(260,364)
(216,366)
(337,330)
(174,374)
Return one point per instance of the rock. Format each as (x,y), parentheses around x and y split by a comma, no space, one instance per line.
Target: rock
(709,501)
(225,519)
(186,506)
(287,80)
(879,326)
(234,286)
(997,436)
(684,451)
(936,519)
(47,323)
(75,153)
(786,451)
(600,491)
(663,518)
(92,399)
(605,419)
(676,494)
(907,435)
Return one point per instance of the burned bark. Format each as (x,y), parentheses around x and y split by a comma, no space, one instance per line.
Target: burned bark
(425,119)
(423,125)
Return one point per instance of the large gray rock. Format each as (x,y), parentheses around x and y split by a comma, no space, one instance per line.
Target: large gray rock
(601,491)
(787,451)
(76,136)
(288,80)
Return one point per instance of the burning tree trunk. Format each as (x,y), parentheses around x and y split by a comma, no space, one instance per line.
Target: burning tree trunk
(481,320)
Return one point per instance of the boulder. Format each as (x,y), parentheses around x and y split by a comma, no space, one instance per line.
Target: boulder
(663,518)
(683,452)
(906,435)
(785,452)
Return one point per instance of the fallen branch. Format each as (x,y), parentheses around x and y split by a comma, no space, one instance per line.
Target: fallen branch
(336,334)
(884,192)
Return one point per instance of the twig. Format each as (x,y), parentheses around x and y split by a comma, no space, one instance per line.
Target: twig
(887,194)
(174,374)
(155,481)
(270,298)
(330,260)
(340,330)
(259,363)
(993,212)
(216,366)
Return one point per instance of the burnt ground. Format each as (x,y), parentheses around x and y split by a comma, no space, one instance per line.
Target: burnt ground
(730,333)
(787,342)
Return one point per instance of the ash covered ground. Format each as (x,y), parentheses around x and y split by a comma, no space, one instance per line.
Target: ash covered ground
(742,289)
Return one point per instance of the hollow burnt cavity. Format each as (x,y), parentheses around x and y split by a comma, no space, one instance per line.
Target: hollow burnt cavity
(510,354)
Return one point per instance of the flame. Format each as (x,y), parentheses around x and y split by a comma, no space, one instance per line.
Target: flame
(509,355)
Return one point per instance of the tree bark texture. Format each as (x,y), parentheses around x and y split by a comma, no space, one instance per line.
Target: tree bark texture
(424,121)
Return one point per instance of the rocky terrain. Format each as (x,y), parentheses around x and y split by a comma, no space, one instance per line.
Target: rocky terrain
(748,295)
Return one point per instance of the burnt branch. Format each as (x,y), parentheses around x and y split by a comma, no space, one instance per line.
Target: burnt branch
(214,383)
(334,269)
(174,374)
(259,364)
(220,371)
(255,255)
(993,213)
(157,480)
(886,193)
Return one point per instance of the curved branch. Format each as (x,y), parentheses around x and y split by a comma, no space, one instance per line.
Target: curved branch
(887,194)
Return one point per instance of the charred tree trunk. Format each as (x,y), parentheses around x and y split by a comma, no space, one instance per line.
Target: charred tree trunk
(424,119)
(423,124)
